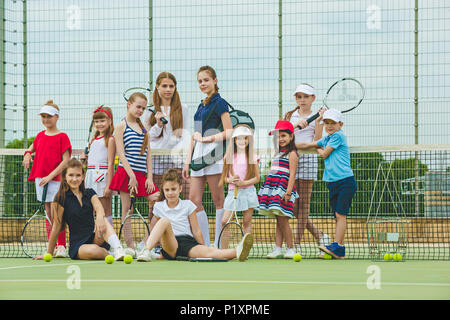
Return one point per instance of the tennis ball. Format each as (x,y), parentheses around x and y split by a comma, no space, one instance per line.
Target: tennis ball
(397,257)
(48,257)
(388,257)
(127,259)
(109,259)
(297,257)
(326,256)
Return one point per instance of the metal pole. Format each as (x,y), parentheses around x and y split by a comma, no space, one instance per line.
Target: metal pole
(2,74)
(280,60)
(150,43)
(416,102)
(25,105)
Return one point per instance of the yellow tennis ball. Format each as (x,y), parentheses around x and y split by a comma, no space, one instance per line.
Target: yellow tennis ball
(109,259)
(116,160)
(128,259)
(48,257)
(327,256)
(388,257)
(297,257)
(397,257)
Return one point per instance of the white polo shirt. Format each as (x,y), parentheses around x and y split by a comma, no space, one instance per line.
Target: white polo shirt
(178,216)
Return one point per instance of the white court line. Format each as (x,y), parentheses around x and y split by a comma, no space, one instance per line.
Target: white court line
(409,284)
(48,265)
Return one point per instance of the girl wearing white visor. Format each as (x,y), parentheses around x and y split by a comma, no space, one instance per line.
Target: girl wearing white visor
(52,151)
(307,163)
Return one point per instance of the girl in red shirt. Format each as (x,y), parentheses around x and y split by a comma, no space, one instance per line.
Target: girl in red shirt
(52,151)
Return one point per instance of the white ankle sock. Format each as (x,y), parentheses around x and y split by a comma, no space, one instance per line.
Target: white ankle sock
(219,216)
(203,223)
(114,241)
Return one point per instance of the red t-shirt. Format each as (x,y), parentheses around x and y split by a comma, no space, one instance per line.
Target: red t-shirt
(48,155)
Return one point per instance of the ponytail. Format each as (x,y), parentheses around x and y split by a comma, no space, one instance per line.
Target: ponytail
(144,144)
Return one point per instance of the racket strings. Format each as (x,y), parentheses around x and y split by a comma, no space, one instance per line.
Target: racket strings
(230,236)
(35,236)
(134,230)
(344,95)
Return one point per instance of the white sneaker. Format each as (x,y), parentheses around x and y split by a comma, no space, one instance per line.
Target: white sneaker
(154,254)
(289,253)
(275,254)
(140,246)
(145,255)
(119,253)
(60,252)
(130,252)
(243,248)
(324,240)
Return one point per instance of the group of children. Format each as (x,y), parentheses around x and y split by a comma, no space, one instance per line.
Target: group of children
(82,200)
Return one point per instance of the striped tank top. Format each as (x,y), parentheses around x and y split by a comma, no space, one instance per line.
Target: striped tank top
(132,142)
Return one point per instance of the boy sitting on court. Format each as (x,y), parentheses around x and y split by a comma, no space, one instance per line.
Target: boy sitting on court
(338,174)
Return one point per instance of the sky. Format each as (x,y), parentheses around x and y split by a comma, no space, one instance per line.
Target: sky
(83,54)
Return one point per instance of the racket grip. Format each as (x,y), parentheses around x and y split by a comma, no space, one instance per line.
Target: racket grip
(313,117)
(86,150)
(163,120)
(235,191)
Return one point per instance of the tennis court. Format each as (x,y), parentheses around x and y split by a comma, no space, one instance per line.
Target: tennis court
(254,279)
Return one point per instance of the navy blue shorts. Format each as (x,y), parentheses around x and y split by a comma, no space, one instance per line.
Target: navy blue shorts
(341,195)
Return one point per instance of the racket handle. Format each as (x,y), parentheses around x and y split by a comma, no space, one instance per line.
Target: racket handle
(163,120)
(313,117)
(235,191)
(86,150)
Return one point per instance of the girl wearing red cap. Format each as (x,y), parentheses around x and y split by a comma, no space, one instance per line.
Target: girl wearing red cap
(277,194)
(102,151)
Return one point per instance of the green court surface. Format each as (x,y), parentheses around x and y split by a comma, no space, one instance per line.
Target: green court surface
(255,279)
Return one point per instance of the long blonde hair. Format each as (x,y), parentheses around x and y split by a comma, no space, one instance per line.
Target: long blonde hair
(131,99)
(176,111)
(252,168)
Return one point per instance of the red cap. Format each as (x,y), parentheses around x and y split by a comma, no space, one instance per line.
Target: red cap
(282,125)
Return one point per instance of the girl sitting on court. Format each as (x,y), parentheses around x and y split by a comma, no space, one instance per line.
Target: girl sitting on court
(74,205)
(177,228)
(52,150)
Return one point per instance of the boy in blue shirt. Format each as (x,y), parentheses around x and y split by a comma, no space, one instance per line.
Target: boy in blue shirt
(338,174)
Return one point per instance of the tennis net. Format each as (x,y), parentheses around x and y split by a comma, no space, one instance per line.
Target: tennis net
(402,203)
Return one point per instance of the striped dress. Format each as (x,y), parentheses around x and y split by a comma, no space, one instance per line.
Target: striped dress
(132,143)
(273,189)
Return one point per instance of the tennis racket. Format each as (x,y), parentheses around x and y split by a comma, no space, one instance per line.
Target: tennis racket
(181,258)
(134,228)
(147,92)
(231,233)
(34,237)
(344,95)
(86,149)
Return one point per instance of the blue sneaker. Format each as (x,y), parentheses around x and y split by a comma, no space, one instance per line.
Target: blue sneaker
(334,249)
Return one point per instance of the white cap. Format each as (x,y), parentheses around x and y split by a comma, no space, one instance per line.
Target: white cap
(241,131)
(49,110)
(305,88)
(333,114)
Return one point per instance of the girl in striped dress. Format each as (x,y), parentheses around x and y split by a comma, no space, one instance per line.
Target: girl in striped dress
(134,173)
(277,194)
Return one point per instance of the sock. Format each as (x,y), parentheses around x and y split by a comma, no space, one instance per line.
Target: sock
(219,215)
(204,226)
(114,241)
(110,220)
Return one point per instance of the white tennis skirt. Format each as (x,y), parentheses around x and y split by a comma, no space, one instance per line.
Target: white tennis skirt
(247,198)
(96,179)
(52,190)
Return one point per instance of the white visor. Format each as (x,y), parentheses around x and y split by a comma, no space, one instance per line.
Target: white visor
(304,88)
(49,110)
(241,131)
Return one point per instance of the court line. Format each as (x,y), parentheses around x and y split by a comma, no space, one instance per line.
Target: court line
(48,265)
(409,284)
